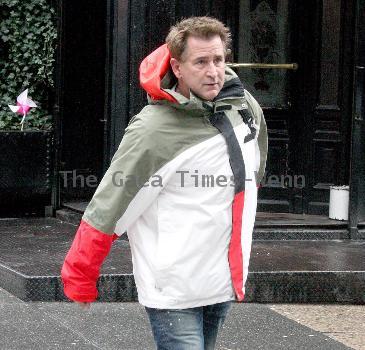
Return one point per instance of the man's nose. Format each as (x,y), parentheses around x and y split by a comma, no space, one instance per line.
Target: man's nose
(212,70)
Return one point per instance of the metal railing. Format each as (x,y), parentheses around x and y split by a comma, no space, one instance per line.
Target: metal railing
(291,66)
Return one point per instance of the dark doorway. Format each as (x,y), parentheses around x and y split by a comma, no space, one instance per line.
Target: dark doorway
(83,87)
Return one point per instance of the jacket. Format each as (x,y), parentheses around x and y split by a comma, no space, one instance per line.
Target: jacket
(183,185)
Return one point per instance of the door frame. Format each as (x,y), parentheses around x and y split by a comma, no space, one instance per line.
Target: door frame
(357,171)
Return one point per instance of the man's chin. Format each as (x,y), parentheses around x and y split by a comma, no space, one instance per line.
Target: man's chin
(209,96)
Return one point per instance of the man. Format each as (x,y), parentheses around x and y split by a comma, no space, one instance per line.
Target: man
(183,184)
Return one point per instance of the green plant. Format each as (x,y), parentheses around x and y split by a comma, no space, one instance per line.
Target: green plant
(27,55)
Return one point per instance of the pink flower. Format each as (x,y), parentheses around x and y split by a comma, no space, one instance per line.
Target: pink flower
(24,104)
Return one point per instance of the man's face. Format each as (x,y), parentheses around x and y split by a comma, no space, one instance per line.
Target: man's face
(201,67)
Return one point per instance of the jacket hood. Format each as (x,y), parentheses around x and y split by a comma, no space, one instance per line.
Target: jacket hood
(157,79)
(152,70)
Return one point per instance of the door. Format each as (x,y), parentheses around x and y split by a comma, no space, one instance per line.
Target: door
(307,110)
(83,40)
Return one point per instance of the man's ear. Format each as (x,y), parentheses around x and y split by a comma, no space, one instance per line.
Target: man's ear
(175,65)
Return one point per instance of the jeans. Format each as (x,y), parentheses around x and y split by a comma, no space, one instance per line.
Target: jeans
(187,329)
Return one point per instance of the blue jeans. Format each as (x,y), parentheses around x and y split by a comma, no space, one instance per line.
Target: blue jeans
(187,329)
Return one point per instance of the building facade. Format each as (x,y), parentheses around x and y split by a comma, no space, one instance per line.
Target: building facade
(314,107)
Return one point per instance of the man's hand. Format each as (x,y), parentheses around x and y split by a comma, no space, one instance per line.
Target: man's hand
(83,305)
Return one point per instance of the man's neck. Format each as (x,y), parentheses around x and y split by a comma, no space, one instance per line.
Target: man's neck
(183,89)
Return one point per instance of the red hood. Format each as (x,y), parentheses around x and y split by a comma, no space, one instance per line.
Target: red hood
(152,69)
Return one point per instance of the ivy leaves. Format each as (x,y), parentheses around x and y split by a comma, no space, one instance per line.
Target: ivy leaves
(27,40)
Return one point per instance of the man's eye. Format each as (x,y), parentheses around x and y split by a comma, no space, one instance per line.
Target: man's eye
(218,60)
(200,62)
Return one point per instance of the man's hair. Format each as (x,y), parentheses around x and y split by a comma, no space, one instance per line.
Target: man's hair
(201,27)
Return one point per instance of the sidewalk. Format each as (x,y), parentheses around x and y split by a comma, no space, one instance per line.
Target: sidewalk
(291,271)
(42,325)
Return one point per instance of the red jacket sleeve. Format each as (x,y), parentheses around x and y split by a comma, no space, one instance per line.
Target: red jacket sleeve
(81,268)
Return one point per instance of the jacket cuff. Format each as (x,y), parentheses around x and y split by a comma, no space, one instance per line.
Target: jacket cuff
(75,295)
(81,268)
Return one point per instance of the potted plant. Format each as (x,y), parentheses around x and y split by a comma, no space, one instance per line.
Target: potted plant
(27,49)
